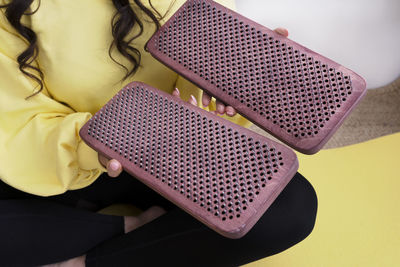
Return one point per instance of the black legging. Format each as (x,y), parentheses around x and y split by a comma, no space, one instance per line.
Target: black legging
(37,230)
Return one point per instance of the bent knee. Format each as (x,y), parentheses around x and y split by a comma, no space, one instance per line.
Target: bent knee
(304,207)
(293,214)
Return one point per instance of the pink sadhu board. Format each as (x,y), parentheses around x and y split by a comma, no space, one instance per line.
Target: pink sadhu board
(295,94)
(224,175)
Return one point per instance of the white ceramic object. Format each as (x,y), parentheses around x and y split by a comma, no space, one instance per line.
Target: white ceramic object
(361,35)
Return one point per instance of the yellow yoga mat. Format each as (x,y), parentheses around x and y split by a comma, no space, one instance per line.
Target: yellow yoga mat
(358,221)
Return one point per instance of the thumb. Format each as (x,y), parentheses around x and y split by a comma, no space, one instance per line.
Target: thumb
(114,168)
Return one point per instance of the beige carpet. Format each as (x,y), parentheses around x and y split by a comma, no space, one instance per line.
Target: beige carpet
(378,114)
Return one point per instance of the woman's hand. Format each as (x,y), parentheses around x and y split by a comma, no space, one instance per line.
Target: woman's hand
(221,108)
(114,168)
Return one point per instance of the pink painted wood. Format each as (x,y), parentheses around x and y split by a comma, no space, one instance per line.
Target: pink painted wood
(297,95)
(221,173)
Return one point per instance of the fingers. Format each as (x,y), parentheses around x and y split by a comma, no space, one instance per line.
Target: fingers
(220,107)
(176,92)
(114,168)
(282,31)
(205,99)
(192,100)
(230,111)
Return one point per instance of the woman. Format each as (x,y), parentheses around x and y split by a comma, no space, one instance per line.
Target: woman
(60,62)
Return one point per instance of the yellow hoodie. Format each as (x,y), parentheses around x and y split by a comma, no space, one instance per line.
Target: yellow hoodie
(40,148)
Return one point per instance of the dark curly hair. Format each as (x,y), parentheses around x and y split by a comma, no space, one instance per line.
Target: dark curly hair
(122,23)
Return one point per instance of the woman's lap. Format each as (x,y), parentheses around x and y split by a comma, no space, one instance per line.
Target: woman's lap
(175,237)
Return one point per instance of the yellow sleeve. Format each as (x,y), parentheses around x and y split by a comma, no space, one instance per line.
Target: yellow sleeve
(40,149)
(186,88)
